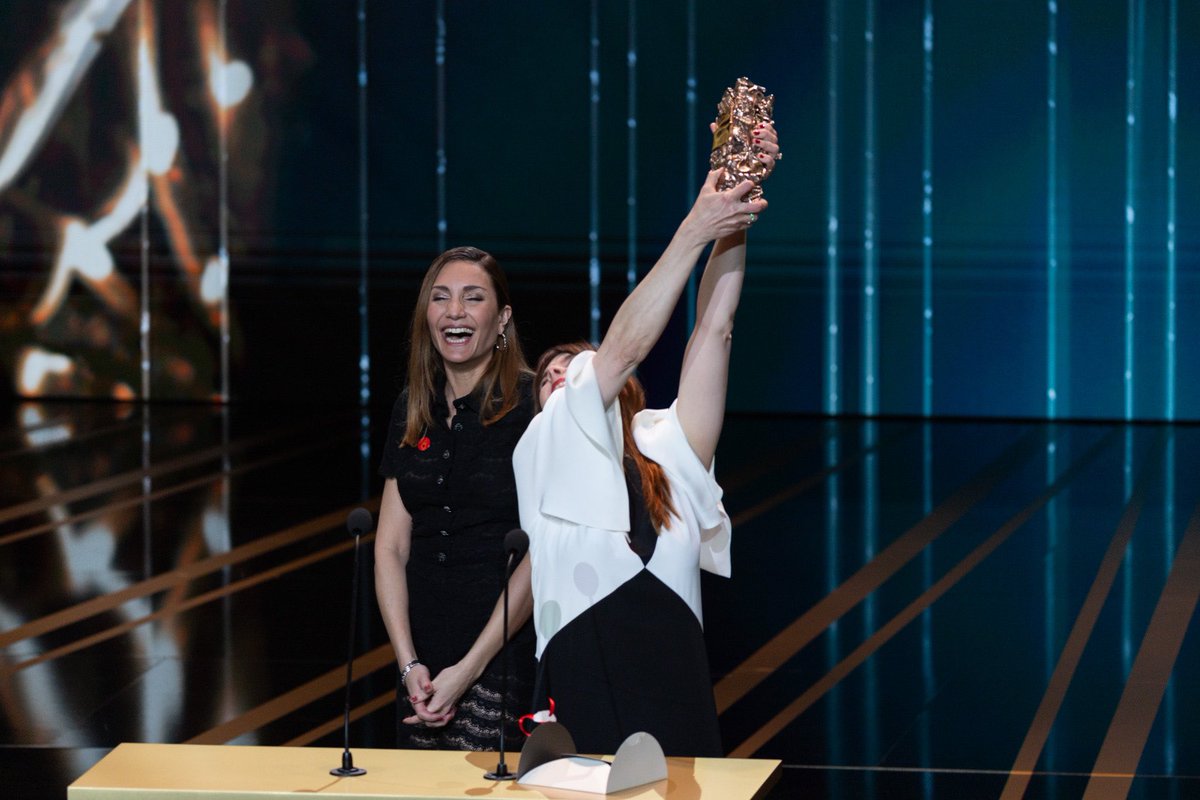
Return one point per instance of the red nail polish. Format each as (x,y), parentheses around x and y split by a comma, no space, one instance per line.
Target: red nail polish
(756,141)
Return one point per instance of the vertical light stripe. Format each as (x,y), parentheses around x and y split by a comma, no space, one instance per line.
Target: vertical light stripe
(223,188)
(1134,60)
(833,394)
(364,308)
(147,493)
(144,317)
(869,402)
(594,174)
(927,215)
(439,60)
(1127,577)
(691,151)
(631,202)
(833,577)
(928,674)
(1134,20)
(1172,146)
(1050,642)
(870,533)
(1052,210)
(1169,702)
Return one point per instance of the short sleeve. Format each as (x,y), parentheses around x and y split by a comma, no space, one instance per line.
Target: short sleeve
(660,437)
(389,461)
(575,454)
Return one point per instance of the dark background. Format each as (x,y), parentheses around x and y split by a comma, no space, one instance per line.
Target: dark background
(1008,179)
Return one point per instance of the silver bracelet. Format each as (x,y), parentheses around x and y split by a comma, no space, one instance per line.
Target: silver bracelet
(407,668)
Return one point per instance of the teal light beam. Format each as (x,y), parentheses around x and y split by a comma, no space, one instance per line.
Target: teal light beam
(364,307)
(870,316)
(631,199)
(927,215)
(1134,61)
(1052,210)
(439,60)
(833,382)
(1172,147)
(594,174)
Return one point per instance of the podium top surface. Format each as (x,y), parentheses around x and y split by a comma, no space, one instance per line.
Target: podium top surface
(191,771)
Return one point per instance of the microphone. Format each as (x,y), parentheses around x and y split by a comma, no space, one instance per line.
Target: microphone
(358,522)
(516,544)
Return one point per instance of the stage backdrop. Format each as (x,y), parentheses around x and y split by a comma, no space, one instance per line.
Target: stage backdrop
(984,208)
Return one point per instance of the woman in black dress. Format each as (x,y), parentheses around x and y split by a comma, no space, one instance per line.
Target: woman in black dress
(622,506)
(448,501)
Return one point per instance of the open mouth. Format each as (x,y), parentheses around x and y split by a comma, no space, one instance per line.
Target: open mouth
(457,335)
(558,383)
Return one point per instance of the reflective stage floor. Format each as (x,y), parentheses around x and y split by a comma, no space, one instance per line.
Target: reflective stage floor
(925,610)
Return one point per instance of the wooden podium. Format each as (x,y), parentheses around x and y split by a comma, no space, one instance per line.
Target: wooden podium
(193,771)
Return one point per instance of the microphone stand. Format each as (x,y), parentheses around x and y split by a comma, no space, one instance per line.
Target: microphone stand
(513,546)
(358,521)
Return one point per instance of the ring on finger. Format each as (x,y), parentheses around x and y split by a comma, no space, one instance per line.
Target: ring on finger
(753,217)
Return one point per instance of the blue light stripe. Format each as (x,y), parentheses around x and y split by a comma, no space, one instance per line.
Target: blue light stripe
(364,350)
(1172,147)
(870,604)
(439,57)
(631,201)
(364,327)
(1170,746)
(870,318)
(1136,39)
(594,176)
(1052,211)
(833,394)
(927,216)
(833,577)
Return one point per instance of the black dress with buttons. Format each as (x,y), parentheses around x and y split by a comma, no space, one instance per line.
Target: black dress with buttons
(458,486)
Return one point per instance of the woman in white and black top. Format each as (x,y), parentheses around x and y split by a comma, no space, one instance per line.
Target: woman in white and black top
(621,505)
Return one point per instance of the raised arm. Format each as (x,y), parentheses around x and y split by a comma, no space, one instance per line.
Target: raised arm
(704,378)
(641,319)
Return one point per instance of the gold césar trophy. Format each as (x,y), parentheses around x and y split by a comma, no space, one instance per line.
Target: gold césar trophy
(744,107)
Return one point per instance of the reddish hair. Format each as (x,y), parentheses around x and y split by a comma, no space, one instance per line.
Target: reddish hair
(656,488)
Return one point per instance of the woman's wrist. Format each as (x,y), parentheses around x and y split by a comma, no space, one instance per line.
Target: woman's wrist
(407,668)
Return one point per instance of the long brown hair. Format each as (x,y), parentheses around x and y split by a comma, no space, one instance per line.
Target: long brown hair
(500,381)
(656,489)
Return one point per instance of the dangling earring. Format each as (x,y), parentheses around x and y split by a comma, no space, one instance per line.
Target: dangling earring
(502,345)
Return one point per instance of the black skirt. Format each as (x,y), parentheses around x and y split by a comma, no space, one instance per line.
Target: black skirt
(635,661)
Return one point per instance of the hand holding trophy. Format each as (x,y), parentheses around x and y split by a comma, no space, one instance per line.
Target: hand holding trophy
(744,109)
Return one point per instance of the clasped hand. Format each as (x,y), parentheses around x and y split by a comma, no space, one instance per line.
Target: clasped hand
(435,701)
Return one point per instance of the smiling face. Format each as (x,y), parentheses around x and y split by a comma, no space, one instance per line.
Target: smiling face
(552,376)
(464,316)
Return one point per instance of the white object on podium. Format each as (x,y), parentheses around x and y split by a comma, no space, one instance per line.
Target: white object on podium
(549,759)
